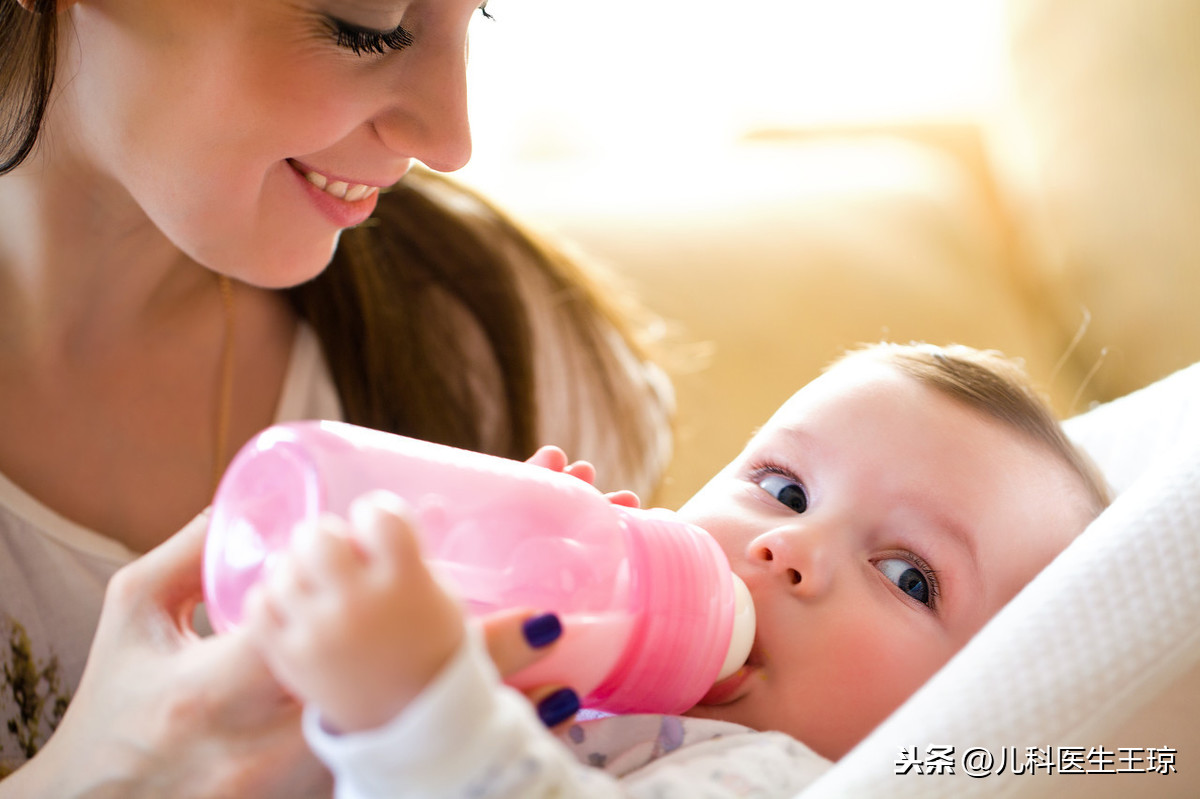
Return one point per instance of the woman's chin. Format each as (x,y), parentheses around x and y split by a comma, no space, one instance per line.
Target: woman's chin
(282,267)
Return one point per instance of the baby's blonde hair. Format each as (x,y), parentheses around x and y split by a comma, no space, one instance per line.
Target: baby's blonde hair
(997,386)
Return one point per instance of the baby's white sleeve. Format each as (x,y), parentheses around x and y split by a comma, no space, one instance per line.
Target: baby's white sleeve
(466,735)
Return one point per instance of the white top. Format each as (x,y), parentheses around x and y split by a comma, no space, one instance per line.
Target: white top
(467,735)
(53,574)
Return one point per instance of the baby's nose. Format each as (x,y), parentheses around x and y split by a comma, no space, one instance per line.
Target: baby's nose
(791,573)
(792,557)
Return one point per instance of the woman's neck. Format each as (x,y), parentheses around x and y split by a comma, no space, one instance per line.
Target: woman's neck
(81,266)
(114,355)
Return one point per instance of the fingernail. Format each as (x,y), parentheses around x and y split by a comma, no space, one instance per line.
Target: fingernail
(542,630)
(558,707)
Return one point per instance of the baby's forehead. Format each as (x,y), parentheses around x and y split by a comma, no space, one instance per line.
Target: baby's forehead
(848,378)
(867,393)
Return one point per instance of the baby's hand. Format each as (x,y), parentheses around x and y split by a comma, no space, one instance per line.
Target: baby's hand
(553,458)
(350,619)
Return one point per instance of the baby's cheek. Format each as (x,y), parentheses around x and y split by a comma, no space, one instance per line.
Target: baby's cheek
(904,657)
(869,670)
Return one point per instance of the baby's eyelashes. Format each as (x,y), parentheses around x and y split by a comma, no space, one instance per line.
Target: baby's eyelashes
(783,487)
(913,576)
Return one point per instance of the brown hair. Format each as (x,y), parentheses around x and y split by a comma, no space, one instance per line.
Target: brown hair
(999,387)
(28,56)
(398,360)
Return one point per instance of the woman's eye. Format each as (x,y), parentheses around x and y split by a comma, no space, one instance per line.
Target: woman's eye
(483,9)
(908,578)
(785,490)
(360,40)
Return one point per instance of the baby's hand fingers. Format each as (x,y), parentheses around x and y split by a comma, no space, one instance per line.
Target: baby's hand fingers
(319,556)
(584,470)
(624,498)
(386,528)
(553,458)
(549,457)
(324,552)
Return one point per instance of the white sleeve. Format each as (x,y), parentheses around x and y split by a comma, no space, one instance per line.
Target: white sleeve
(465,735)
(468,735)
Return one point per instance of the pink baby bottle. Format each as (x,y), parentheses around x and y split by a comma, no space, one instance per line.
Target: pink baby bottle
(652,614)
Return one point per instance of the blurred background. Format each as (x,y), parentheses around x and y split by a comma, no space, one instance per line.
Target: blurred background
(651,79)
(782,179)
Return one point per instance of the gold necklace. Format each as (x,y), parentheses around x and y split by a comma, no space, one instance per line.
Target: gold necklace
(225,385)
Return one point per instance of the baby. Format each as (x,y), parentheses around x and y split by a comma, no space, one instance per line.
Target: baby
(880,517)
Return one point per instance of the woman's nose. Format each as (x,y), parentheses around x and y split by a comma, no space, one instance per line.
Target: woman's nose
(426,117)
(794,558)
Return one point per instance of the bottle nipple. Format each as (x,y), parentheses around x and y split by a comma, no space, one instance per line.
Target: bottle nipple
(743,630)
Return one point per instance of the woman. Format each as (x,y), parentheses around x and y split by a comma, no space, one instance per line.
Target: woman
(174,177)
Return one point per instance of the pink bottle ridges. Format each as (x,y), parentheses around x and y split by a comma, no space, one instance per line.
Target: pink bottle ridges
(652,615)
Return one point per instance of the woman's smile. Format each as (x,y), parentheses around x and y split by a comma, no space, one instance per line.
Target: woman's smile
(342,189)
(346,203)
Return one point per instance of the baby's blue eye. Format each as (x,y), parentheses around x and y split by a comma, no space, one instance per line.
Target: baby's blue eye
(907,577)
(786,490)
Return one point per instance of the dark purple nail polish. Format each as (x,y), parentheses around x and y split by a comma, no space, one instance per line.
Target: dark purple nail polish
(542,630)
(558,707)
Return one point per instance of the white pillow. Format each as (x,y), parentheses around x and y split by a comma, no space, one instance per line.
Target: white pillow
(1100,649)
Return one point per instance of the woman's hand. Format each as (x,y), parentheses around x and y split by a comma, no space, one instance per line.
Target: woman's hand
(520,637)
(161,711)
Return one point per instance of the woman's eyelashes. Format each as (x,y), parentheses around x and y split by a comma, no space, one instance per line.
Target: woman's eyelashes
(913,576)
(781,485)
(363,41)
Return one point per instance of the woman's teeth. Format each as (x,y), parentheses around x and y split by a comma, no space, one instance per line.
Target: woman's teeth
(339,188)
